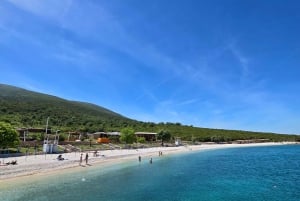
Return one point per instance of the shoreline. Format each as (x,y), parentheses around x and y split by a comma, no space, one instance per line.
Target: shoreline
(47,165)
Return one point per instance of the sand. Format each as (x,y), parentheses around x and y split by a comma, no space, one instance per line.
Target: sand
(48,164)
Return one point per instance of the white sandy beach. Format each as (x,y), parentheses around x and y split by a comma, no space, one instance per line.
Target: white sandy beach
(48,164)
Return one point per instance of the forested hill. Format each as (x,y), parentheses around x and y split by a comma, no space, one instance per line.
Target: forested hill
(23,108)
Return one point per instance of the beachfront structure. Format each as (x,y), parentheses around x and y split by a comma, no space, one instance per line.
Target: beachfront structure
(51,143)
(95,135)
(25,133)
(147,135)
(103,134)
(102,137)
(74,136)
(105,137)
(178,141)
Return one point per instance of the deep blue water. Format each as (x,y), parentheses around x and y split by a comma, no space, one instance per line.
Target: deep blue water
(256,173)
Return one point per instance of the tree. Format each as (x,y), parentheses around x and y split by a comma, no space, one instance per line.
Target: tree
(163,135)
(141,139)
(8,136)
(127,136)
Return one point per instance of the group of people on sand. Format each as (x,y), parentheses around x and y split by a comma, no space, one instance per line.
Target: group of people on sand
(60,158)
(13,162)
(86,158)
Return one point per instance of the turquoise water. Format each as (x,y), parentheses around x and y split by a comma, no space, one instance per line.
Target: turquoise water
(257,173)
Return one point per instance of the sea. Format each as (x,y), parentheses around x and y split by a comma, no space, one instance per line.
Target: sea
(270,173)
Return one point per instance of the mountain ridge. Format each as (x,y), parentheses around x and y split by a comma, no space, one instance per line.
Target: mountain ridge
(25,108)
(18,101)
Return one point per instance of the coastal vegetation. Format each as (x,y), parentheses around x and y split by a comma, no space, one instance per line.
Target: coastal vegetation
(23,108)
(163,135)
(127,136)
(8,136)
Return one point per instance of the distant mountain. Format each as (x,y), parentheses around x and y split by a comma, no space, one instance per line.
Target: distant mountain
(22,107)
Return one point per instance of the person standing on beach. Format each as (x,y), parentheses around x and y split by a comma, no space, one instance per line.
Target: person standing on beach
(140,158)
(86,158)
(80,160)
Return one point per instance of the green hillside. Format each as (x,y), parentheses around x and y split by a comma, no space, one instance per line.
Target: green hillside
(23,108)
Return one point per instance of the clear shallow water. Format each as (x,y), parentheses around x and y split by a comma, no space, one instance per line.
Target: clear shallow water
(257,173)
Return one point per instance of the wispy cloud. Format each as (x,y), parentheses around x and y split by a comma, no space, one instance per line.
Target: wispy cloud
(243,60)
(51,9)
(103,27)
(86,60)
(188,102)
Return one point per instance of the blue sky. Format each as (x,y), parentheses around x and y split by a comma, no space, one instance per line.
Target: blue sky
(219,64)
